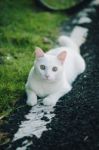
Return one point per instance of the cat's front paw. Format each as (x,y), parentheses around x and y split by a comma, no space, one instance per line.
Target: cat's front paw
(31,102)
(31,99)
(49,101)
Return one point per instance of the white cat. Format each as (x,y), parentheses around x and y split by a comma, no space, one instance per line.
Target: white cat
(53,72)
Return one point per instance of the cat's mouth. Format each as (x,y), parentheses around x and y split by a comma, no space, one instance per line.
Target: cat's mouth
(47,78)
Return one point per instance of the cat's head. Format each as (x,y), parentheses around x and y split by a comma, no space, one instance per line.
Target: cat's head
(49,67)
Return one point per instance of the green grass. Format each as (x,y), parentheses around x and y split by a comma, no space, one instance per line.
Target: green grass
(22,27)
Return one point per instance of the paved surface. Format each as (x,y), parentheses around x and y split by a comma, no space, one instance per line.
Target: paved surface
(74,122)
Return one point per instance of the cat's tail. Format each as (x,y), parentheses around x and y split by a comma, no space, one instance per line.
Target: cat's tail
(68,42)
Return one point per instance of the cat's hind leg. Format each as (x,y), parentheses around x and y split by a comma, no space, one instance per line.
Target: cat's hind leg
(80,64)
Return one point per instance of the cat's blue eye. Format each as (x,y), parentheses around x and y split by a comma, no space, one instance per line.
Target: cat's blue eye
(54,69)
(42,67)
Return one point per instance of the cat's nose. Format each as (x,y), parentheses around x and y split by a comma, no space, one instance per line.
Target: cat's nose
(47,76)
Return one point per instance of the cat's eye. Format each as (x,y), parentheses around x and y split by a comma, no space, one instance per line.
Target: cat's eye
(42,67)
(54,69)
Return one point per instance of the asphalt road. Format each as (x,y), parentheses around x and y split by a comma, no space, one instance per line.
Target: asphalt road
(75,124)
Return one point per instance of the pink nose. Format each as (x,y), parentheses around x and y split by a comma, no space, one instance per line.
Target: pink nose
(47,76)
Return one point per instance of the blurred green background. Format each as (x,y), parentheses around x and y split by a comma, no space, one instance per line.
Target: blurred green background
(60,4)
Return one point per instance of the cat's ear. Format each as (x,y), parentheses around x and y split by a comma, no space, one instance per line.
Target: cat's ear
(39,52)
(61,57)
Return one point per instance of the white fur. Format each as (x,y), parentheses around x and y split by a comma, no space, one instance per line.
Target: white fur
(58,83)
